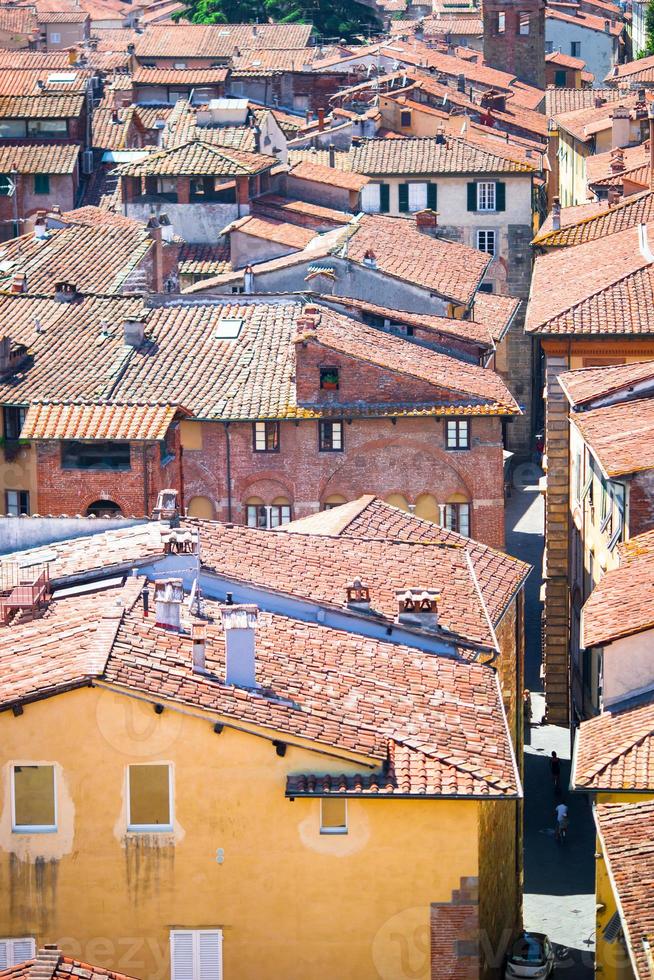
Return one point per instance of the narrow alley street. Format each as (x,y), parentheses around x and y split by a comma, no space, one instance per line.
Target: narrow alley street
(559,878)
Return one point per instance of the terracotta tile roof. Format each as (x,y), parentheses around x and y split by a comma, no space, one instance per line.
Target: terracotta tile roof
(558,58)
(274,60)
(401,251)
(183,127)
(625,832)
(61,16)
(114,39)
(601,286)
(25,81)
(51,964)
(495,312)
(18,20)
(138,422)
(41,106)
(584,123)
(428,156)
(204,259)
(53,60)
(92,215)
(177,76)
(562,100)
(95,259)
(599,165)
(499,575)
(318,173)
(341,157)
(453,25)
(622,603)
(281,232)
(615,751)
(641,70)
(639,176)
(587,384)
(312,215)
(620,436)
(588,222)
(581,19)
(197,158)
(53,158)
(113,128)
(476,332)
(218,41)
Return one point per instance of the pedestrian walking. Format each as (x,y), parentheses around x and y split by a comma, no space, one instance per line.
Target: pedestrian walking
(555,769)
(526,707)
(561,821)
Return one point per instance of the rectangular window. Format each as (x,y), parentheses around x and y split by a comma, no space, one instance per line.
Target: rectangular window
(13,418)
(47,127)
(333,815)
(268,516)
(149,797)
(196,954)
(549,47)
(486,195)
(417,196)
(501,22)
(12,129)
(329,378)
(15,951)
(17,502)
(486,239)
(405,117)
(371,199)
(457,518)
(523,22)
(55,37)
(34,799)
(457,434)
(108,456)
(575,49)
(330,437)
(266,437)
(560,78)
(41,183)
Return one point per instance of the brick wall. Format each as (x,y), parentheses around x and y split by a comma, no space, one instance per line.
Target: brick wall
(500,881)
(641,503)
(25,202)
(510,51)
(62,491)
(379,457)
(455,935)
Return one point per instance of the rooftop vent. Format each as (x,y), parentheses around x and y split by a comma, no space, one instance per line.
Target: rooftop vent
(168,598)
(65,292)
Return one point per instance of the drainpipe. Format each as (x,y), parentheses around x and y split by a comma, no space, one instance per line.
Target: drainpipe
(228,462)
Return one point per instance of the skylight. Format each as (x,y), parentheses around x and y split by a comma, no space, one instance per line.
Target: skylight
(228,329)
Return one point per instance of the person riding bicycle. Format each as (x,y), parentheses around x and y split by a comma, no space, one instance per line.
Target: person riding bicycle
(561,820)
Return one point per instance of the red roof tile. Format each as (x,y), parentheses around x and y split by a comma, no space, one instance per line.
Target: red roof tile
(588,384)
(615,751)
(317,173)
(622,603)
(79,420)
(620,436)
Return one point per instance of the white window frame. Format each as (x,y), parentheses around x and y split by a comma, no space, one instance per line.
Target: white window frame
(269,508)
(486,195)
(334,830)
(483,233)
(448,522)
(524,20)
(455,428)
(33,828)
(55,37)
(418,188)
(197,973)
(371,206)
(147,828)
(10,957)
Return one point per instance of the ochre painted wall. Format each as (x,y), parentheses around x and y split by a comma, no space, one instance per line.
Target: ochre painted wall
(293,904)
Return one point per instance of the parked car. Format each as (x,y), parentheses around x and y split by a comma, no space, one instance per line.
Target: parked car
(531,956)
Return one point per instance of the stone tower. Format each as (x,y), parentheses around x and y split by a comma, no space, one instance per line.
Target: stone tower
(514,38)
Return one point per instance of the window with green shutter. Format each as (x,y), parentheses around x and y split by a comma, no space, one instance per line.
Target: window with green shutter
(432,196)
(384,198)
(472,196)
(500,196)
(41,183)
(404,198)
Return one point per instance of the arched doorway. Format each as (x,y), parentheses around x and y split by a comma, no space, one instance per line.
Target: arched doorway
(103,508)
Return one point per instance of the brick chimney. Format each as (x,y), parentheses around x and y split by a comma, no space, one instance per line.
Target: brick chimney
(168,598)
(418,607)
(239,622)
(307,322)
(427,221)
(358,596)
(617,160)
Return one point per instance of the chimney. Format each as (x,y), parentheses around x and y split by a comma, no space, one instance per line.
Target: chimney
(239,623)
(607,26)
(114,116)
(440,135)
(166,507)
(620,127)
(248,280)
(369,259)
(18,283)
(133,331)
(72,56)
(40,225)
(65,292)
(321,119)
(613,196)
(599,101)
(418,607)
(556,214)
(199,644)
(427,221)
(167,230)
(168,598)
(461,83)
(358,596)
(332,155)
(257,138)
(617,160)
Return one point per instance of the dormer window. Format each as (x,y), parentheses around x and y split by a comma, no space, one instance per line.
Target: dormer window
(329,378)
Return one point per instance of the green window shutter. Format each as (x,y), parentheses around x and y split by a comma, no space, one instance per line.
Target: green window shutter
(384,198)
(41,183)
(472,196)
(500,196)
(404,197)
(432,196)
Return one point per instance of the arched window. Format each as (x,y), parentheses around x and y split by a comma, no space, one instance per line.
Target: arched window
(334,500)
(201,507)
(266,516)
(398,500)
(103,508)
(457,514)
(427,508)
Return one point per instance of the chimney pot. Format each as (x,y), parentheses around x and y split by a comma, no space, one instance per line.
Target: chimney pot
(332,155)
(418,607)
(65,292)
(239,622)
(168,598)
(199,644)
(358,595)
(133,332)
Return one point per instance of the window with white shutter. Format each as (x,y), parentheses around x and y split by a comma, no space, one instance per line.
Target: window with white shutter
(417,196)
(196,954)
(14,951)
(371,199)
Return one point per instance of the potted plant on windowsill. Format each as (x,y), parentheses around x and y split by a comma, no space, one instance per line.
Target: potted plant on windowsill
(329,381)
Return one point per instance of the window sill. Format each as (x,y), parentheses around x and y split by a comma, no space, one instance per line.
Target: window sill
(154,829)
(335,832)
(34,830)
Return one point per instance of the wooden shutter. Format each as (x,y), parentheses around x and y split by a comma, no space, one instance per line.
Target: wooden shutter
(15,951)
(472,196)
(210,954)
(181,955)
(404,198)
(432,196)
(500,196)
(384,198)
